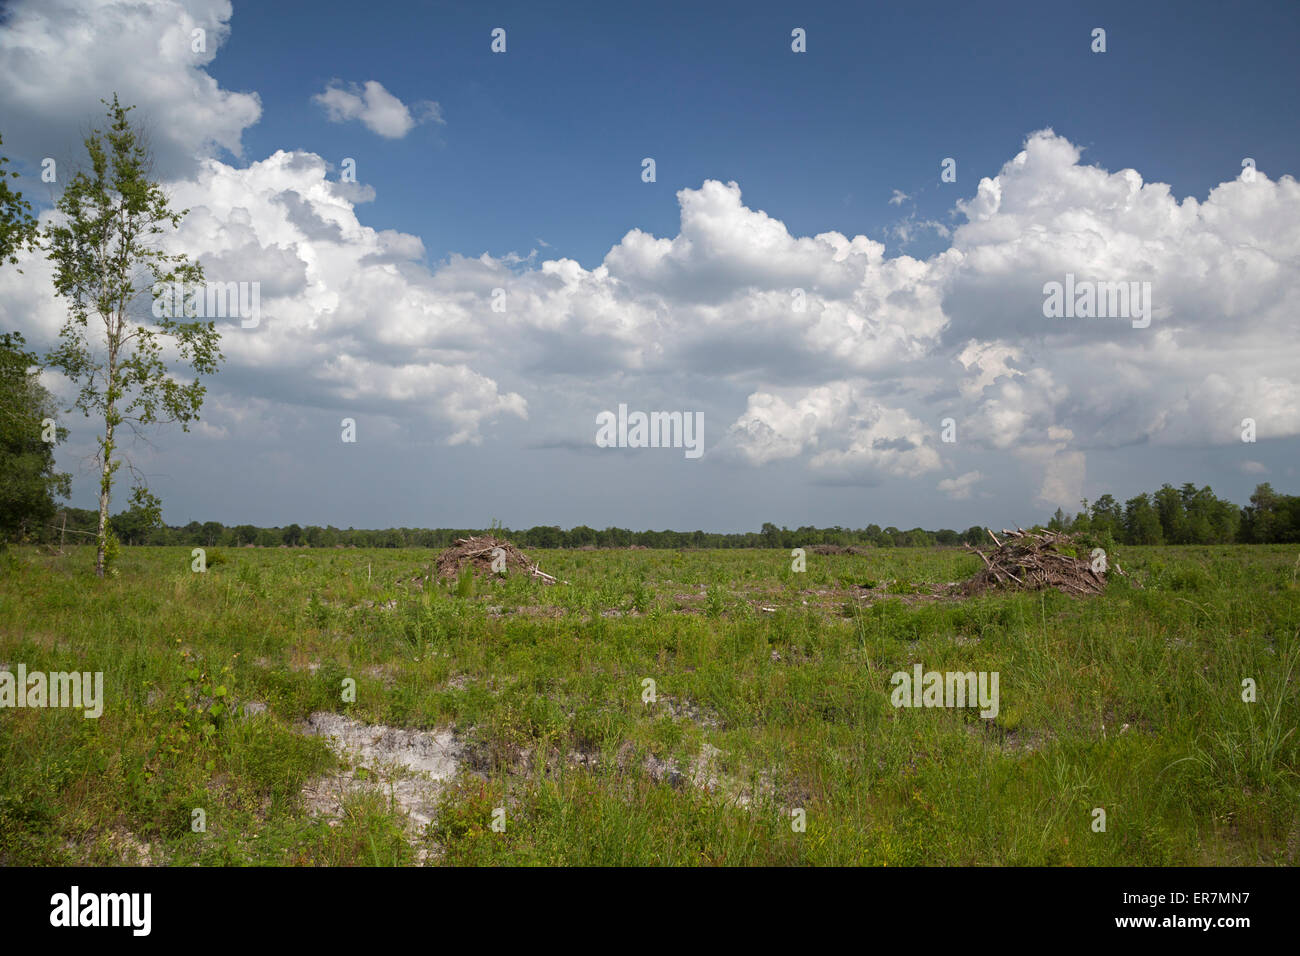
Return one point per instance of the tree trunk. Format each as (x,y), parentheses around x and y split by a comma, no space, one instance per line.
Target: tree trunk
(113,330)
(105,484)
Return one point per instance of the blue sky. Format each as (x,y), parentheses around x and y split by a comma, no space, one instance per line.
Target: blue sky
(775,172)
(546,141)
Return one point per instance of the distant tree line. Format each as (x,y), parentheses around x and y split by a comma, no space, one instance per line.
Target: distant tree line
(1188,515)
(1185,515)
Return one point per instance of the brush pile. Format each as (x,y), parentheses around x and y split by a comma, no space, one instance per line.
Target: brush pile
(838,549)
(480,553)
(1032,561)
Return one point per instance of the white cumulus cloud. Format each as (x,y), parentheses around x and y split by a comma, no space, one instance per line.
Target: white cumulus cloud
(960,488)
(379,110)
(59,58)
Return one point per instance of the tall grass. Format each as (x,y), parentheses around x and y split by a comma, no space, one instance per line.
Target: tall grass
(773,697)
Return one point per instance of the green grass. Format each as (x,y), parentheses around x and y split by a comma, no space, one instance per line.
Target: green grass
(1131,702)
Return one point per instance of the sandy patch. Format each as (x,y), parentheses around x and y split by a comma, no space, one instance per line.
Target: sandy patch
(409,767)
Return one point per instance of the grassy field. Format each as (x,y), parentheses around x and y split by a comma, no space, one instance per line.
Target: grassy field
(772,706)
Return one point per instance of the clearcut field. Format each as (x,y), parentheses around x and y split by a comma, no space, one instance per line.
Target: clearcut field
(526,704)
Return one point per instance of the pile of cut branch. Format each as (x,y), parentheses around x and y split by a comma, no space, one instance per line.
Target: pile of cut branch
(1032,561)
(480,553)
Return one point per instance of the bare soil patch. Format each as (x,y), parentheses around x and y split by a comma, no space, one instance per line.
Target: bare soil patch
(408,766)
